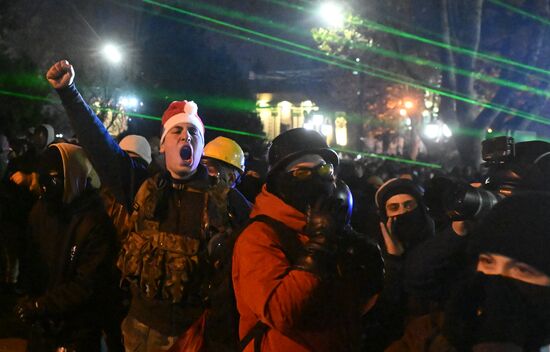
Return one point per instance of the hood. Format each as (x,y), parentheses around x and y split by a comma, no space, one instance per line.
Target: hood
(269,204)
(77,170)
(50,134)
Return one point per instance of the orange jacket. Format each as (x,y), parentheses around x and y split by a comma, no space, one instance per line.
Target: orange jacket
(303,314)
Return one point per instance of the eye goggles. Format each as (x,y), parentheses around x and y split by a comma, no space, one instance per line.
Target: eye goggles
(304,173)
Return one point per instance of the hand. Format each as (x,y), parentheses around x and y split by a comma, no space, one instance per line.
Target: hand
(21,179)
(460,228)
(61,74)
(34,187)
(319,257)
(28,310)
(393,245)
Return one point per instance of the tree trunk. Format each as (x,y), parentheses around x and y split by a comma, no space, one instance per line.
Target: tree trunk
(458,114)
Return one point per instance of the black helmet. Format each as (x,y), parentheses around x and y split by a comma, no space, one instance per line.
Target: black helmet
(296,142)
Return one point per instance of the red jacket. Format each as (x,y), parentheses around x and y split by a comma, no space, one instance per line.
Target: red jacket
(302,313)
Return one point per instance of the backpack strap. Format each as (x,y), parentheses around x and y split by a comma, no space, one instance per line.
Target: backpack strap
(256,333)
(291,247)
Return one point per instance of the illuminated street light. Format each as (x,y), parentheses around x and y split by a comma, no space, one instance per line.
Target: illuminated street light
(332,15)
(112,53)
(403,112)
(408,104)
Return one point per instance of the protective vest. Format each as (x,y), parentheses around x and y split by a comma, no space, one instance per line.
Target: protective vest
(171,266)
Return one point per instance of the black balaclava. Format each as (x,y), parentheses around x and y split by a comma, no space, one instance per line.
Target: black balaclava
(51,176)
(412,227)
(299,194)
(498,309)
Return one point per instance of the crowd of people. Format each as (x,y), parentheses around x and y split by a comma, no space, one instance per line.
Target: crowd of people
(105,246)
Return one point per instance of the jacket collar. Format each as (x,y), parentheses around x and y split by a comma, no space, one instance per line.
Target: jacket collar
(269,204)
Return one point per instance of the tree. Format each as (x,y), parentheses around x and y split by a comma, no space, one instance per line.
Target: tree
(164,58)
(480,29)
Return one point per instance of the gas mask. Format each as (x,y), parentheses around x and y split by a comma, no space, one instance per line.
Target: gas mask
(302,187)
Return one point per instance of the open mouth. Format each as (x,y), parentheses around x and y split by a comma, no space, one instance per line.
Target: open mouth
(186,153)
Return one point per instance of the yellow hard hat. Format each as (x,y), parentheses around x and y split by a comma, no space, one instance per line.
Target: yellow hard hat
(226,150)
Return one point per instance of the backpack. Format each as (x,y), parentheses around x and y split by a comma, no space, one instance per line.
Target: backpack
(216,330)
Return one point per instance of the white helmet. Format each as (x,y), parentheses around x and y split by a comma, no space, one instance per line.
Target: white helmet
(137,145)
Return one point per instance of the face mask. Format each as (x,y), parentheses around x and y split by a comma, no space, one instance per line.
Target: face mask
(411,228)
(51,178)
(494,308)
(303,190)
(538,305)
(52,185)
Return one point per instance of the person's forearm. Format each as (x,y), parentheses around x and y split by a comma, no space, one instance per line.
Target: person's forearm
(112,164)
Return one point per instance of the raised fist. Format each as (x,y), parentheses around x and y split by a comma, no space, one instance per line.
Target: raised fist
(61,74)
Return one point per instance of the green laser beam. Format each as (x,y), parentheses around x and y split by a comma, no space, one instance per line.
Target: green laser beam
(387,53)
(227,130)
(380,74)
(476,75)
(388,157)
(455,131)
(354,67)
(488,57)
(237,15)
(26,96)
(521,12)
(457,49)
(411,36)
(286,4)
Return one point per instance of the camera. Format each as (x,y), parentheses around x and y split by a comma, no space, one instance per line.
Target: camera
(511,168)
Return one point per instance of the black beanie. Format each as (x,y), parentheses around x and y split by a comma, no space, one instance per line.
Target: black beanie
(397,186)
(518,227)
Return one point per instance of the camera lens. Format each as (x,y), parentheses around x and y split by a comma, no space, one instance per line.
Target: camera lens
(467,202)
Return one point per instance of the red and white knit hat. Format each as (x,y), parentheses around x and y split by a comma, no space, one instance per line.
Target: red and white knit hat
(181,112)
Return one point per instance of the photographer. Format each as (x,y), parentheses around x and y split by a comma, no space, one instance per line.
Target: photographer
(434,268)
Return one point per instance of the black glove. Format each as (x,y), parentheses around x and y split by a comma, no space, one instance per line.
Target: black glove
(360,263)
(324,222)
(28,310)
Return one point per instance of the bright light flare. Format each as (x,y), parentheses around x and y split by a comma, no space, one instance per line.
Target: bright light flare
(446,131)
(317,119)
(129,102)
(432,131)
(408,104)
(332,15)
(112,53)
